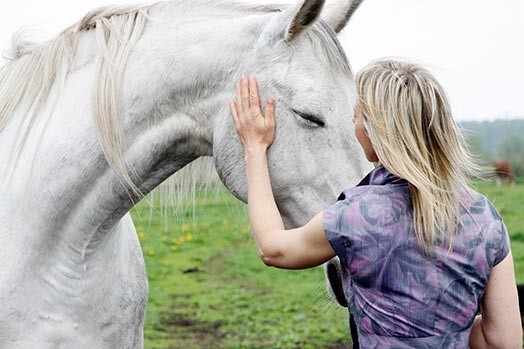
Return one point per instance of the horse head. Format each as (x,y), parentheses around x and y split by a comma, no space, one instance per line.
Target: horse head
(299,62)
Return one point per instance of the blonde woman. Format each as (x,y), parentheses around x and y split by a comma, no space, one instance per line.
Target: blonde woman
(420,250)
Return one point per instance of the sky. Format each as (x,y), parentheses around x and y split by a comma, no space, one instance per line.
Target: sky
(475,48)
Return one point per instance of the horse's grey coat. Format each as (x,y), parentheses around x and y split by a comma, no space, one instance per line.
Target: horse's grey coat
(73,274)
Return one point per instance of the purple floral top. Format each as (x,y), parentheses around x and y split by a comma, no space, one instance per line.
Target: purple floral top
(399,296)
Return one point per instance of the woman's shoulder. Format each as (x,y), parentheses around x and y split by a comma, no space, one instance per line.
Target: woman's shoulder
(478,205)
(483,226)
(371,204)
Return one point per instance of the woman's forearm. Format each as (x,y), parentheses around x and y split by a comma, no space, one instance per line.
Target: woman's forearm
(499,325)
(480,338)
(477,340)
(263,212)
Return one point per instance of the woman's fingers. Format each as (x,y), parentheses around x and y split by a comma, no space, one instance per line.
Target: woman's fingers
(238,100)
(269,112)
(253,127)
(244,90)
(247,98)
(254,99)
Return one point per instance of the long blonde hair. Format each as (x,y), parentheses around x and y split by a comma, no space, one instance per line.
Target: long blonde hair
(408,119)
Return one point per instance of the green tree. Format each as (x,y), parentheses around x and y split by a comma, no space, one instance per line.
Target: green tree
(477,148)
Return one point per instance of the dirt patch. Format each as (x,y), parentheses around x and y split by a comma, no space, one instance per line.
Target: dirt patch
(344,344)
(190,333)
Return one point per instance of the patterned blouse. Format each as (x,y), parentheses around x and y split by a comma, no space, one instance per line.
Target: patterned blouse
(399,296)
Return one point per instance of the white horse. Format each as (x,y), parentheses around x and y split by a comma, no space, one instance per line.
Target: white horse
(102,114)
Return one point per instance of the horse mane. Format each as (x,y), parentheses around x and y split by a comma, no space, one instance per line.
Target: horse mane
(36,69)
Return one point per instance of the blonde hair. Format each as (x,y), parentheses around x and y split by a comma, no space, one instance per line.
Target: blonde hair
(408,119)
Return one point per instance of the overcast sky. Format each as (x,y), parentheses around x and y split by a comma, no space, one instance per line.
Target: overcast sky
(474,47)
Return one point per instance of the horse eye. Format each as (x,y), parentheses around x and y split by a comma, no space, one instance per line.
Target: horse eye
(311,120)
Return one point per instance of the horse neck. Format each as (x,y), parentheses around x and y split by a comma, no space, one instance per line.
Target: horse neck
(174,89)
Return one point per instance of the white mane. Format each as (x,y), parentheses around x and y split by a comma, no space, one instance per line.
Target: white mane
(28,80)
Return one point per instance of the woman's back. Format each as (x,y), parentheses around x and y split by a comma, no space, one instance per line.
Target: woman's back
(421,253)
(398,294)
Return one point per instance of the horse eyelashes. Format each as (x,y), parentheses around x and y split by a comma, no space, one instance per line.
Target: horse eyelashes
(312,119)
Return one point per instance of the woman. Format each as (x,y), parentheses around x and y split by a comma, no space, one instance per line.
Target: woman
(420,250)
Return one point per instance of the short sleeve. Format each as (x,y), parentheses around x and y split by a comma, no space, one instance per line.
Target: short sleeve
(503,245)
(331,217)
(339,221)
(497,240)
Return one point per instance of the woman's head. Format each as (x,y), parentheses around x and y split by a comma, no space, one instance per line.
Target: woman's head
(408,120)
(406,114)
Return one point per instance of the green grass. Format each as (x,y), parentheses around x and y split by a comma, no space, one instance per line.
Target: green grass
(208,288)
(509,201)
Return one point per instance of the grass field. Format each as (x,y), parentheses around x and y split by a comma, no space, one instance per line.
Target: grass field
(509,201)
(208,289)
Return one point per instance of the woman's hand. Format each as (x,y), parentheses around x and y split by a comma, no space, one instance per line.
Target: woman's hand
(256,130)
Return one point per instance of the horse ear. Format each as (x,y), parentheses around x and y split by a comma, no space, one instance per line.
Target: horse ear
(291,22)
(337,13)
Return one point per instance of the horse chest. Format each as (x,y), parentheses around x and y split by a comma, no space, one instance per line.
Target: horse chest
(99,303)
